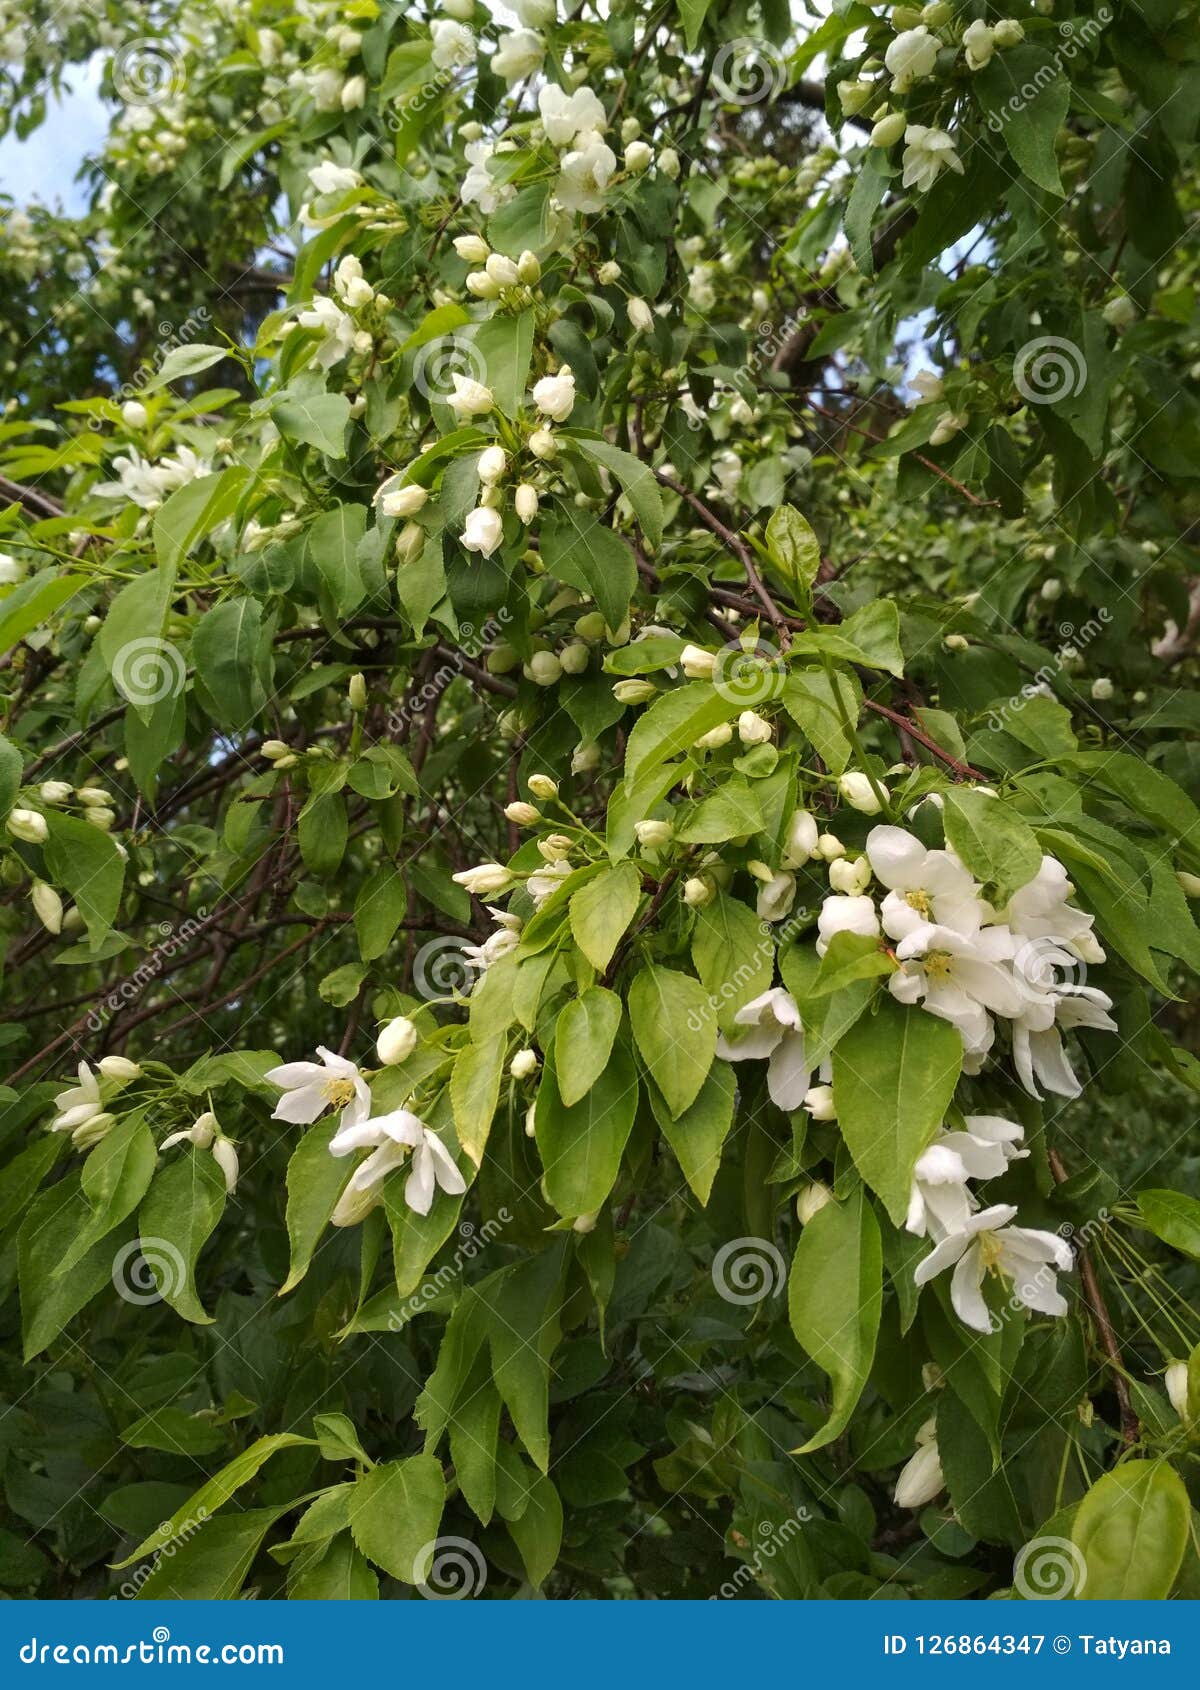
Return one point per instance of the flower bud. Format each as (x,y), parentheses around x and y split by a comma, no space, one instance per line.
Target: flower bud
(542,443)
(801,842)
(1176,1381)
(753,729)
(608,273)
(472,249)
(818,1100)
(555,847)
(226,1158)
(1102,689)
(396,1041)
(543,669)
(522,814)
(668,163)
(634,691)
(654,834)
(101,818)
(1189,883)
(859,791)
(482,286)
(134,414)
(493,461)
(698,891)
(574,657)
(55,791)
(830,847)
(1009,32)
(637,157)
(542,786)
(851,877)
(410,543)
(356,692)
(119,1068)
(641,317)
(92,795)
(502,270)
(696,663)
(401,501)
(590,626)
(529,268)
(921,1478)
(525,502)
(523,1064)
(47,906)
(715,738)
(27,825)
(889,129)
(811,1200)
(274,749)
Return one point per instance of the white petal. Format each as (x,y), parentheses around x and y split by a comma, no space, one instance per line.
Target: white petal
(788,1073)
(293,1074)
(897,858)
(301,1107)
(966,1292)
(942,1256)
(420,1185)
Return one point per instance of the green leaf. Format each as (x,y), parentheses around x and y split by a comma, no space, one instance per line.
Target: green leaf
(697,1135)
(177,1216)
(894,1074)
(379,908)
(32,601)
(194,510)
(86,861)
(475,1093)
(48,1302)
(538,1532)
(114,1181)
(733,953)
(835,1296)
(1132,1528)
(794,548)
(146,668)
(1025,97)
(850,957)
(602,909)
(395,1513)
(996,844)
(228,653)
(183,361)
(812,698)
(213,1560)
(338,1574)
(871,637)
(577,548)
(342,985)
(581,1144)
(315,1181)
(676,1032)
(673,723)
(333,542)
(583,1041)
(314,419)
(214,1493)
(506,346)
(11,765)
(692,14)
(323,831)
(637,480)
(1173,1217)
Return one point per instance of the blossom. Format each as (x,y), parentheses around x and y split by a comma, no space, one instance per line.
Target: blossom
(801,841)
(641,318)
(485,879)
(525,501)
(979,43)
(911,56)
(479,185)
(336,328)
(401,499)
(850,877)
(453,44)
(989,1244)
(928,387)
(1041,910)
(584,173)
(330,178)
(927,152)
(921,1478)
(776,897)
(491,464)
(753,729)
(79,1104)
(396,1041)
(554,395)
(940,1202)
(505,937)
(309,1088)
(349,283)
(520,54)
(1038,1053)
(523,1064)
(923,885)
(959,978)
(775,1033)
(535,14)
(201,1133)
(565,116)
(470,398)
(860,792)
(483,530)
(846,915)
(542,885)
(391,1139)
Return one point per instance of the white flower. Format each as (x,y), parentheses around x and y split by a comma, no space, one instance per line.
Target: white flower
(860,792)
(310,1088)
(1176,1382)
(540,886)
(401,499)
(201,1133)
(505,938)
(775,1033)
(638,156)
(653,835)
(535,14)
(727,468)
(330,178)
(979,43)
(78,1104)
(334,325)
(479,185)
(940,1202)
(391,1139)
(491,464)
(523,1064)
(470,398)
(927,152)
(55,791)
(554,396)
(946,427)
(520,55)
(1038,1054)
(776,897)
(349,283)
(134,414)
(988,1244)
(119,1068)
(542,444)
(47,906)
(396,1041)
(753,729)
(453,44)
(846,915)
(564,116)
(668,163)
(923,886)
(352,97)
(698,891)
(852,878)
(484,880)
(1041,910)
(641,317)
(911,56)
(27,825)
(473,248)
(928,387)
(584,174)
(696,663)
(525,502)
(921,1478)
(226,1157)
(819,1103)
(959,978)
(801,841)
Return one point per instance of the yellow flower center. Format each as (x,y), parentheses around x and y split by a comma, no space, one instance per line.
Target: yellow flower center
(339,1091)
(938,965)
(989,1253)
(919,901)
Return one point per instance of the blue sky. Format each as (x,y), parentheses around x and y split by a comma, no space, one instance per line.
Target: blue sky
(44,165)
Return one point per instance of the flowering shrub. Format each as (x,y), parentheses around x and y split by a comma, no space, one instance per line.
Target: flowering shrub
(596,806)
